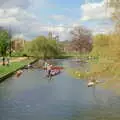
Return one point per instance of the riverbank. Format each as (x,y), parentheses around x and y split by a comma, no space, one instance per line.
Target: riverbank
(7,71)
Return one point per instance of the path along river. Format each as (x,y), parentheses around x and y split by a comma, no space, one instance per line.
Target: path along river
(34,97)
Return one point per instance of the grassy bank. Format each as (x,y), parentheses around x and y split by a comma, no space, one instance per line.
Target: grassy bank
(4,70)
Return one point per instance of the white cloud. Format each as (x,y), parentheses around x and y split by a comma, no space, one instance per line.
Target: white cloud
(23,22)
(14,15)
(105,28)
(28,25)
(18,19)
(18,36)
(14,3)
(58,17)
(95,11)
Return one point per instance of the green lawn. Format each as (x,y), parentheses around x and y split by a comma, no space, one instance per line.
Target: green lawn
(13,66)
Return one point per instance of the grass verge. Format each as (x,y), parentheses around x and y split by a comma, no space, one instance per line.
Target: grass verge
(4,70)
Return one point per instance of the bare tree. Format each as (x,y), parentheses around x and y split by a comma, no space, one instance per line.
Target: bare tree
(81,39)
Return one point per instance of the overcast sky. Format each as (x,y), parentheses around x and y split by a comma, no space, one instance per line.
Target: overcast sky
(31,18)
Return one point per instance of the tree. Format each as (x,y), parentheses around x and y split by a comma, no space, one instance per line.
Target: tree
(81,39)
(42,47)
(4,43)
(53,48)
(27,48)
(101,45)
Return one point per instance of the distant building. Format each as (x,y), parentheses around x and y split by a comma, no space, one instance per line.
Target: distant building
(66,46)
(50,36)
(56,38)
(18,44)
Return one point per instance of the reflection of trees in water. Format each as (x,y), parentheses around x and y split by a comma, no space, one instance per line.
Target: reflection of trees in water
(80,66)
(55,62)
(98,111)
(94,95)
(102,101)
(74,63)
(97,98)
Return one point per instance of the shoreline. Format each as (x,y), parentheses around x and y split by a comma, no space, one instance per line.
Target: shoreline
(7,75)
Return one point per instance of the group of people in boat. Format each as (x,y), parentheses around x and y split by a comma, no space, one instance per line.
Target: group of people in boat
(51,71)
(49,68)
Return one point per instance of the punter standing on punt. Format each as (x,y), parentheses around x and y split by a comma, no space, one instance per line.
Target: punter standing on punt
(49,68)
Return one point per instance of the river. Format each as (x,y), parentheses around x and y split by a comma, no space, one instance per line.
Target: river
(34,97)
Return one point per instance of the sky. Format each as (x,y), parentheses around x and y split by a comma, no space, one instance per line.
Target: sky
(31,18)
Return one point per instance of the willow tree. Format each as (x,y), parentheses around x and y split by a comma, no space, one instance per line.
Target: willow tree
(53,48)
(101,45)
(43,47)
(27,48)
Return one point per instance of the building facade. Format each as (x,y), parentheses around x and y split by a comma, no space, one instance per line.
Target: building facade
(18,44)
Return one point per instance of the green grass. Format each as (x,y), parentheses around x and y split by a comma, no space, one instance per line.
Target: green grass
(13,66)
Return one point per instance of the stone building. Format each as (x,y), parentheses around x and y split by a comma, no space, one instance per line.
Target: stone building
(18,44)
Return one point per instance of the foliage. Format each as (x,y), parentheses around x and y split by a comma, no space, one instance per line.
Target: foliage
(106,47)
(4,42)
(27,48)
(100,45)
(42,47)
(17,54)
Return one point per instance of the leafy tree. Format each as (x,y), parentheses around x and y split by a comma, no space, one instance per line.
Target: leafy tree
(43,47)
(27,48)
(53,48)
(101,44)
(4,43)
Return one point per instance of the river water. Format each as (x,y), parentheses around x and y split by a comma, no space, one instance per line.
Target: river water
(32,96)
